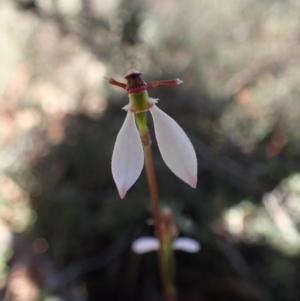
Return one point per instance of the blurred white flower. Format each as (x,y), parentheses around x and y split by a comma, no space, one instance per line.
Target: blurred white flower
(147,244)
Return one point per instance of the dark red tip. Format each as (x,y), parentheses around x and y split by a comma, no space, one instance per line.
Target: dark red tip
(132,72)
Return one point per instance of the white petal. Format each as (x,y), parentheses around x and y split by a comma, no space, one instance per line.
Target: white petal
(145,244)
(175,147)
(186,244)
(152,101)
(128,156)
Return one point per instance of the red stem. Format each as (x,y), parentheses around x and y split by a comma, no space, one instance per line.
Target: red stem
(170,293)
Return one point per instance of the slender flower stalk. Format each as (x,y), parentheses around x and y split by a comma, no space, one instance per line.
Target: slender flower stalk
(133,149)
(169,231)
(169,288)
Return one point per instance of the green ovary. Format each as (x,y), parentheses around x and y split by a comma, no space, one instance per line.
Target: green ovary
(139,101)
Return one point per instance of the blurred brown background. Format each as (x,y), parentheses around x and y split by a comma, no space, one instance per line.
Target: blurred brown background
(64,233)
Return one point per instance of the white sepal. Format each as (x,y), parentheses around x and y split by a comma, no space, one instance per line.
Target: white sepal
(186,244)
(128,156)
(175,147)
(145,244)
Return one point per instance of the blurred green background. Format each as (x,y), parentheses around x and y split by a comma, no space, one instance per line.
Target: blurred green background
(64,233)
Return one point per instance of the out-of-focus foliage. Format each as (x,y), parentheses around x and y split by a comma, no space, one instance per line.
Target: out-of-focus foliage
(59,209)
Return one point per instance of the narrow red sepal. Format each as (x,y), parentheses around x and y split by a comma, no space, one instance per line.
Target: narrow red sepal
(116,83)
(166,82)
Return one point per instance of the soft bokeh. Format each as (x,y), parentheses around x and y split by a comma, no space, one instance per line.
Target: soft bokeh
(64,232)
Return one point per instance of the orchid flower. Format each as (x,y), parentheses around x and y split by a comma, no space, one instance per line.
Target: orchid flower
(174,145)
(170,241)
